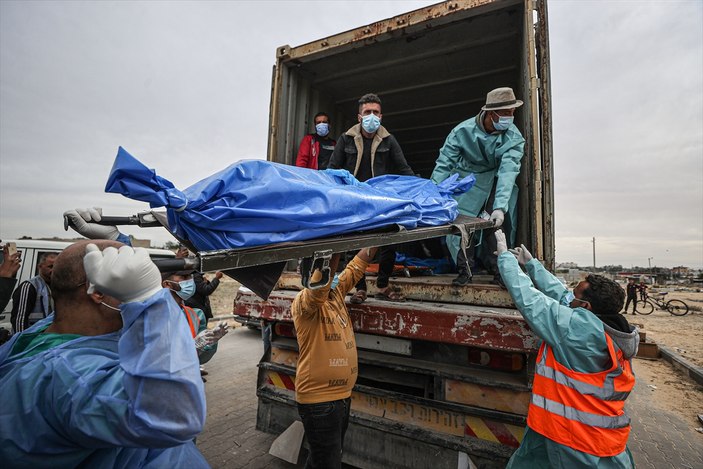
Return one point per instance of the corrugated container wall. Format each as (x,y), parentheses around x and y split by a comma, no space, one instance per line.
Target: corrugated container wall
(432,68)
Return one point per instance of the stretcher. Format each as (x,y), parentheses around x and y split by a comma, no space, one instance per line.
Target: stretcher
(259,268)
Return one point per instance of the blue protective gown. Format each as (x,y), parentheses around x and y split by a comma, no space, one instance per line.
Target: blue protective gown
(132,398)
(577,338)
(493,158)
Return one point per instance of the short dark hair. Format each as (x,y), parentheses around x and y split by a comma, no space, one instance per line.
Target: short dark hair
(605,295)
(320,114)
(45,255)
(369,98)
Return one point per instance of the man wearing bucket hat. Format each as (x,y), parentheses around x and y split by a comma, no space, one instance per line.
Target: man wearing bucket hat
(490,146)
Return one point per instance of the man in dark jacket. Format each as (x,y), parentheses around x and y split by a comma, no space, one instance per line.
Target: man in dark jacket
(203,287)
(367,150)
(631,290)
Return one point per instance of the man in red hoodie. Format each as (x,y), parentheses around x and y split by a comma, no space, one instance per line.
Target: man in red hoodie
(316,148)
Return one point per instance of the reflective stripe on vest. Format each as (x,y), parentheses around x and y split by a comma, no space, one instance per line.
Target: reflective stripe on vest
(585,418)
(584,411)
(606,392)
(193,320)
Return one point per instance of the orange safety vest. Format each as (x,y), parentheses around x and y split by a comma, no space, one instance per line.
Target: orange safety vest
(193,320)
(584,411)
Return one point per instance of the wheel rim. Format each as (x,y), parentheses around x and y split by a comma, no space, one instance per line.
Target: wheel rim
(645,307)
(677,307)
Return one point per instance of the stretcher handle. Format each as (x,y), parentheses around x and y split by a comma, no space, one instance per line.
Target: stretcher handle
(177,264)
(143,220)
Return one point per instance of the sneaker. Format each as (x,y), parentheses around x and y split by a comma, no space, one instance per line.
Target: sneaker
(462,279)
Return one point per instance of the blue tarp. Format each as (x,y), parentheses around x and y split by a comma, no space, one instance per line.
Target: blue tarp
(255,202)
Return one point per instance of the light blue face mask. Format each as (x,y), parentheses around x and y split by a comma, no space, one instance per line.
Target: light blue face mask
(322,129)
(503,122)
(187,289)
(568,298)
(370,123)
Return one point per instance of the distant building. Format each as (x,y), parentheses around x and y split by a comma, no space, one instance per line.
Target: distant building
(681,271)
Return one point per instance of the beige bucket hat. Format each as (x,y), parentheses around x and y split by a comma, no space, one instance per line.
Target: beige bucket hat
(501,98)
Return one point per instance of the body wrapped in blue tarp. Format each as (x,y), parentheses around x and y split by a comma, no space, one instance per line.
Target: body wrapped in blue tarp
(255,202)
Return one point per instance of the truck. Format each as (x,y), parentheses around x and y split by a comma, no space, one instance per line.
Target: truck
(444,379)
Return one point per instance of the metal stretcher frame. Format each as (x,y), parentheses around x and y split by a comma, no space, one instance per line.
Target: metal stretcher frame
(273,253)
(259,268)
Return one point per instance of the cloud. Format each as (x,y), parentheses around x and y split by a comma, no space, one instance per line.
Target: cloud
(185,87)
(628,129)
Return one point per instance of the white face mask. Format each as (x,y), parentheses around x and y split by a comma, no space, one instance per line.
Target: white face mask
(370,123)
(503,122)
(568,298)
(322,129)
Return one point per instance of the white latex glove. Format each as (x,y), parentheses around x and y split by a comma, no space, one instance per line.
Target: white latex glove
(522,254)
(501,243)
(81,219)
(205,338)
(220,330)
(497,217)
(128,274)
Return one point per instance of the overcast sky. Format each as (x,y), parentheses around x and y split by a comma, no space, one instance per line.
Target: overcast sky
(184,86)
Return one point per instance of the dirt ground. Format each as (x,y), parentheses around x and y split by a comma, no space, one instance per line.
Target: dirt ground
(671,390)
(683,334)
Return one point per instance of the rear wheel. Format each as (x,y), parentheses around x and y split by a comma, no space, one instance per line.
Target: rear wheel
(677,307)
(644,307)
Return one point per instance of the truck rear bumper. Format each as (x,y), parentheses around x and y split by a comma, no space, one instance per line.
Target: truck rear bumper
(374,442)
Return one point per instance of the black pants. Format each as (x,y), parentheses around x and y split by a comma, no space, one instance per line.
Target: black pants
(385,268)
(488,243)
(632,299)
(325,425)
(488,248)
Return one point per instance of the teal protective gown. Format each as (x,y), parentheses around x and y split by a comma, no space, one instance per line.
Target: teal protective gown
(577,338)
(132,398)
(493,158)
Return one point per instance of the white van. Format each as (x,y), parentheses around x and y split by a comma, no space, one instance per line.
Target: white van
(32,250)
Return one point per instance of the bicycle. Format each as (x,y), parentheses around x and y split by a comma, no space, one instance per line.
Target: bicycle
(675,307)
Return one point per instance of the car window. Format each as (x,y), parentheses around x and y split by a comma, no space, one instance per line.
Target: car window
(39,255)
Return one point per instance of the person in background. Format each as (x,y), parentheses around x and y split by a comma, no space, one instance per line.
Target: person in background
(316,148)
(32,300)
(583,373)
(8,270)
(368,150)
(642,288)
(203,287)
(110,379)
(182,287)
(631,289)
(491,147)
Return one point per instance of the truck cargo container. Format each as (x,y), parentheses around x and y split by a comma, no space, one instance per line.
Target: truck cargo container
(445,377)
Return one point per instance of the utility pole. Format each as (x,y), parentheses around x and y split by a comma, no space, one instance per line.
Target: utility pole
(594,253)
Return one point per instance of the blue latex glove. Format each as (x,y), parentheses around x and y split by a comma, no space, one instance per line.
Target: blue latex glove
(346,177)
